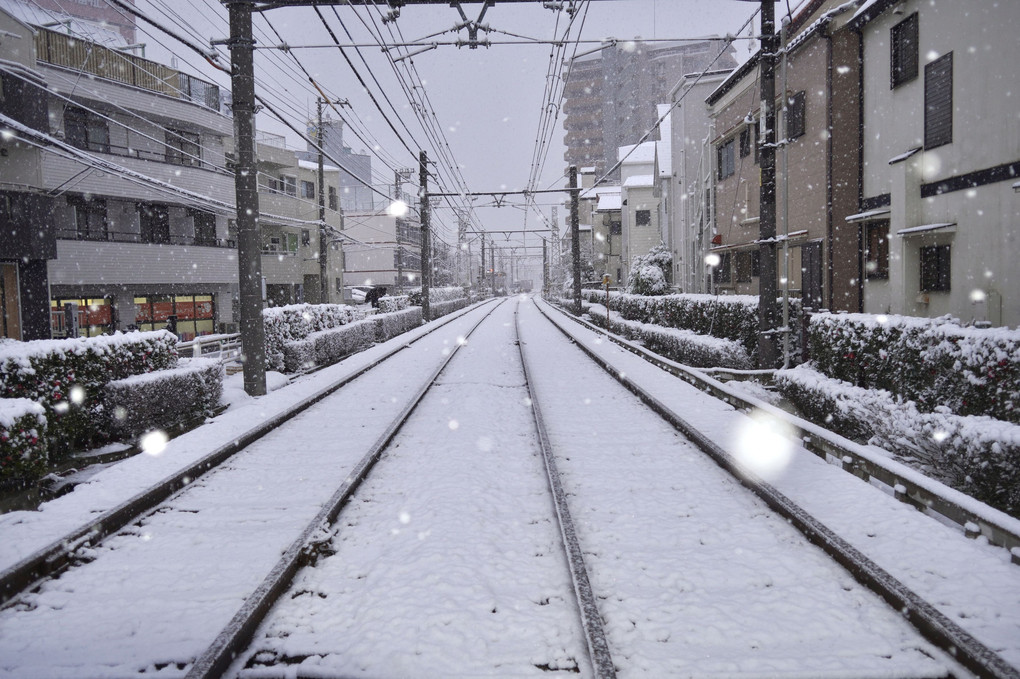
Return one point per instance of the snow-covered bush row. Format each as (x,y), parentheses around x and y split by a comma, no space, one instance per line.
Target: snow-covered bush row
(66,377)
(164,398)
(934,362)
(437,309)
(22,439)
(682,346)
(295,322)
(977,455)
(732,317)
(438,295)
(326,347)
(390,304)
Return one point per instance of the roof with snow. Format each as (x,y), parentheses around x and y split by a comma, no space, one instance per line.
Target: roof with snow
(642,153)
(640,181)
(609,202)
(312,165)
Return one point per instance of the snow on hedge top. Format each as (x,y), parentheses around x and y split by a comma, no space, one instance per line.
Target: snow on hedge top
(944,324)
(12,409)
(22,352)
(186,366)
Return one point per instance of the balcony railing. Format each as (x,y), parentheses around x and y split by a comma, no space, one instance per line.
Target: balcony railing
(135,237)
(60,49)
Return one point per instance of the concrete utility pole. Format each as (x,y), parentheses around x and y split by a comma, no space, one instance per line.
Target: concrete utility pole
(249,255)
(492,264)
(545,267)
(481,282)
(426,252)
(575,237)
(767,316)
(323,240)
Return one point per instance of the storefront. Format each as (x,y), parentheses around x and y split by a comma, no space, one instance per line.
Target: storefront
(87,317)
(194,314)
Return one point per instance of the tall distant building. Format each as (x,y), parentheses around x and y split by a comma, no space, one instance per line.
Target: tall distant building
(610,97)
(357,167)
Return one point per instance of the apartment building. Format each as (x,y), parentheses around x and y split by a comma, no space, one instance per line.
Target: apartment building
(816,164)
(382,249)
(939,206)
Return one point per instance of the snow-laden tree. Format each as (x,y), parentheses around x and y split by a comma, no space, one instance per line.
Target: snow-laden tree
(649,274)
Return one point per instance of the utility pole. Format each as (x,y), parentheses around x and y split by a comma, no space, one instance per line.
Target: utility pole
(492,264)
(545,267)
(249,256)
(323,240)
(481,282)
(767,325)
(426,252)
(575,237)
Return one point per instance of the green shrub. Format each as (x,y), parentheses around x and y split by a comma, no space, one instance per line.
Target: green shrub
(22,440)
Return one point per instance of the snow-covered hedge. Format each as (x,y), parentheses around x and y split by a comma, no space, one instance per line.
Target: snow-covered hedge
(437,295)
(682,346)
(66,377)
(326,347)
(934,362)
(295,322)
(437,309)
(731,317)
(164,398)
(977,455)
(22,440)
(389,304)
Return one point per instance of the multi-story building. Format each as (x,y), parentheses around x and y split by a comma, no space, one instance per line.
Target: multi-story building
(132,158)
(288,220)
(817,163)
(600,206)
(640,205)
(356,178)
(382,249)
(609,97)
(691,151)
(939,204)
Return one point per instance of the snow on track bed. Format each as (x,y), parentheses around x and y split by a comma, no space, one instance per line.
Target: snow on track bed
(157,592)
(447,563)
(696,577)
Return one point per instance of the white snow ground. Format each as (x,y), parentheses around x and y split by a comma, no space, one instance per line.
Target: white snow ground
(970,581)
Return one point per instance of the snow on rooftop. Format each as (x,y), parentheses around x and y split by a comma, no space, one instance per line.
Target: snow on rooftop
(640,153)
(609,202)
(640,181)
(313,165)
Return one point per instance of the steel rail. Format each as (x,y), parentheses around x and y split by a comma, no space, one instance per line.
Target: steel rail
(935,627)
(238,633)
(591,620)
(56,556)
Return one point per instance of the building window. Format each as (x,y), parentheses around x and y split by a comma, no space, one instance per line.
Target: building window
(334,203)
(745,142)
(89,218)
(721,273)
(292,243)
(94,316)
(726,159)
(938,102)
(642,217)
(615,228)
(155,223)
(744,266)
(935,261)
(306,237)
(876,256)
(288,185)
(194,314)
(205,228)
(795,115)
(183,148)
(307,189)
(904,50)
(86,130)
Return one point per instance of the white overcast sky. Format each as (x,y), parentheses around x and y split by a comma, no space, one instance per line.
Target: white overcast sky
(487,101)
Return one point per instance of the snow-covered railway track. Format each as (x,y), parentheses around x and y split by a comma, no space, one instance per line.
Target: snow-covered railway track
(935,627)
(153,594)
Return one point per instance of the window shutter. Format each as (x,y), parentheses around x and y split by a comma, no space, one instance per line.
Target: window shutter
(938,102)
(904,51)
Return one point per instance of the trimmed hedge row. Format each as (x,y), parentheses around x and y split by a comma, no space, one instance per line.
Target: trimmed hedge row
(295,322)
(934,362)
(66,377)
(22,439)
(977,455)
(731,317)
(329,346)
(682,346)
(163,399)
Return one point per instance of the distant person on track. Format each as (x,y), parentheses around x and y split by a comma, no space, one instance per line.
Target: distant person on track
(373,295)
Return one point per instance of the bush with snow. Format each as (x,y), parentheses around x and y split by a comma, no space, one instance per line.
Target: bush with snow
(295,322)
(22,440)
(66,377)
(649,273)
(978,455)
(934,362)
(164,398)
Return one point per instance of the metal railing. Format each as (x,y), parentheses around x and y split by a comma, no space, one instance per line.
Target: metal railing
(226,348)
(69,233)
